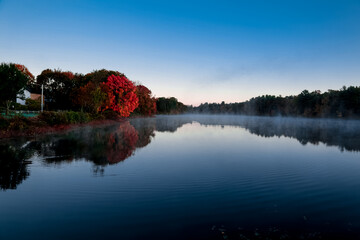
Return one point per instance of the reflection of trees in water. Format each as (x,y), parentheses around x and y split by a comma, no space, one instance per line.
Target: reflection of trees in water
(146,130)
(344,134)
(121,143)
(163,123)
(115,143)
(102,146)
(13,165)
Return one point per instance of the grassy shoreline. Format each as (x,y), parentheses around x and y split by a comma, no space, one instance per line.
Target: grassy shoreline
(51,122)
(38,131)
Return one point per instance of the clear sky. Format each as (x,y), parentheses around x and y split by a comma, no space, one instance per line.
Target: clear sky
(196,51)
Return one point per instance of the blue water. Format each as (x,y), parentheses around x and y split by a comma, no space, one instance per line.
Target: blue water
(185,177)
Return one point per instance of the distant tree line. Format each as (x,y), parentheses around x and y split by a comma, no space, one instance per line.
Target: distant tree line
(333,103)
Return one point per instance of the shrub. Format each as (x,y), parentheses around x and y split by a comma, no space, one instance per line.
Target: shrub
(33,105)
(77,117)
(18,106)
(4,123)
(97,116)
(109,114)
(51,118)
(57,118)
(18,123)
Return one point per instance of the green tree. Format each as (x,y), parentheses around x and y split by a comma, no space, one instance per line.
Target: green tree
(12,83)
(58,88)
(169,106)
(33,105)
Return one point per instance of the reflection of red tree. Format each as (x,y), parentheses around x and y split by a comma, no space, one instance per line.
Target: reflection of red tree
(145,135)
(121,143)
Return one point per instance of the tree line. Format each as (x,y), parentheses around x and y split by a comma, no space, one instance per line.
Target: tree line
(107,91)
(333,103)
(96,92)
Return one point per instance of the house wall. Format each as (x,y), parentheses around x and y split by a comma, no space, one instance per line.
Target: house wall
(27,94)
(20,101)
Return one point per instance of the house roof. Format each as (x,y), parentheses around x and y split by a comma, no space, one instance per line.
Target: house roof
(34,89)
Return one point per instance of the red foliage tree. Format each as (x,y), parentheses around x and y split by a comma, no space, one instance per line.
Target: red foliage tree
(24,70)
(69,75)
(147,103)
(121,94)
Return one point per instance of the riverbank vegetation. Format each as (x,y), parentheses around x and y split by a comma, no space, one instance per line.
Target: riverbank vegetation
(170,106)
(73,98)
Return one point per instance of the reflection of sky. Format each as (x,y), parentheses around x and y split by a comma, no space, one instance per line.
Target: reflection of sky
(196,51)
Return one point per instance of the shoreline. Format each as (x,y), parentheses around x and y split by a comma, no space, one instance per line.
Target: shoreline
(35,131)
(44,130)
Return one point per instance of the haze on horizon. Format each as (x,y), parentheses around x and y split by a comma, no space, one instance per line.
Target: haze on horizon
(196,51)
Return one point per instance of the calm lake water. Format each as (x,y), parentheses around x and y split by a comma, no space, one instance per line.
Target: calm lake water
(185,177)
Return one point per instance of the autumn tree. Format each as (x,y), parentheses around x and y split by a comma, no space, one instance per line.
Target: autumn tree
(89,97)
(105,90)
(121,95)
(147,103)
(25,71)
(98,77)
(12,83)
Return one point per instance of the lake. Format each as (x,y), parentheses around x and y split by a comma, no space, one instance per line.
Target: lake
(185,177)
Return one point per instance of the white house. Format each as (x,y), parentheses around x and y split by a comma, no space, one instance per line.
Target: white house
(20,99)
(27,94)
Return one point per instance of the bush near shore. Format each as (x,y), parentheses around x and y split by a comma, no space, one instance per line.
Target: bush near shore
(50,119)
(70,117)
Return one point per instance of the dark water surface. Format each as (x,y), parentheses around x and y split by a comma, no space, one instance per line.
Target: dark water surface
(185,177)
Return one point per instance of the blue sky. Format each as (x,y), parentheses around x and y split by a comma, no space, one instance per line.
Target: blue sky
(196,51)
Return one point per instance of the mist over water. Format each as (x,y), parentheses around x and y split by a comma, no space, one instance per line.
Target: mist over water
(185,177)
(333,132)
